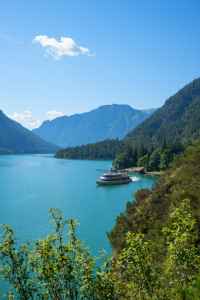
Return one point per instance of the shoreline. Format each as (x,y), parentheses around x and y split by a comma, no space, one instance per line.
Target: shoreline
(147,173)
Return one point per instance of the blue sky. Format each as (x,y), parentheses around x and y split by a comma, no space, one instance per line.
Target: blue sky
(126,52)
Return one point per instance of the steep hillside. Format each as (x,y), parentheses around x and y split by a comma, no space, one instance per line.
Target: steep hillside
(105,122)
(151,208)
(177,119)
(14,138)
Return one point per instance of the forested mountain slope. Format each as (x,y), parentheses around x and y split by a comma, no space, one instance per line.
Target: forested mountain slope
(168,220)
(105,122)
(14,138)
(151,208)
(177,119)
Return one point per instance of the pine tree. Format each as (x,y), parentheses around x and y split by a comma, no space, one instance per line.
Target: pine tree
(163,145)
(141,151)
(135,155)
(129,151)
(151,149)
(120,151)
(147,168)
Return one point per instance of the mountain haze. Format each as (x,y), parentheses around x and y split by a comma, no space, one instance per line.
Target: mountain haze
(14,138)
(105,122)
(149,111)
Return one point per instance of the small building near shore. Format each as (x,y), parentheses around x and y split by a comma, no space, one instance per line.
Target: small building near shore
(139,170)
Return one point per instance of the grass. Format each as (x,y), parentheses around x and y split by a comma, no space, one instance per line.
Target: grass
(150,173)
(155,172)
(133,168)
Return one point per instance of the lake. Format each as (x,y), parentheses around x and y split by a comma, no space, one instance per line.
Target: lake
(31,183)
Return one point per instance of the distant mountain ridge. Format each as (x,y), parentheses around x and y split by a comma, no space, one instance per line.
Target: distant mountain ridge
(14,138)
(105,122)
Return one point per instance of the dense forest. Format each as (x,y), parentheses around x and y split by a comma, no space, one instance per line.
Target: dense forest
(107,149)
(149,158)
(152,210)
(156,243)
(177,120)
(180,181)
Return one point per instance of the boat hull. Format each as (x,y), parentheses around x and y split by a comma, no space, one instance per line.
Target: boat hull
(114,182)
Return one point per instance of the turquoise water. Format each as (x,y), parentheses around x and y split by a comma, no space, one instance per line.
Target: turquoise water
(31,183)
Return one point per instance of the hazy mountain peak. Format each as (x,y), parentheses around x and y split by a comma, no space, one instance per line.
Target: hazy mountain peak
(104,122)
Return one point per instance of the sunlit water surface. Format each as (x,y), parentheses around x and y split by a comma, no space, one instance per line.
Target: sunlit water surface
(31,183)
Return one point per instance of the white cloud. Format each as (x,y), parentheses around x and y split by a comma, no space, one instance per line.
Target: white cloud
(27,119)
(66,46)
(54,114)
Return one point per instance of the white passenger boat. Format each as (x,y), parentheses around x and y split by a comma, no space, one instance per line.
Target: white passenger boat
(113,178)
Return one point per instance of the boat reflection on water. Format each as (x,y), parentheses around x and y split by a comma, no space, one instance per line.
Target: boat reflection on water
(111,178)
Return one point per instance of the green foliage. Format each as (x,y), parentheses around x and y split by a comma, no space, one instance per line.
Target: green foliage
(177,120)
(129,151)
(147,160)
(170,224)
(155,160)
(135,154)
(53,269)
(124,222)
(142,161)
(163,145)
(120,151)
(107,149)
(183,262)
(151,208)
(141,150)
(152,161)
(122,159)
(189,292)
(156,244)
(177,147)
(165,159)
(138,275)
(151,149)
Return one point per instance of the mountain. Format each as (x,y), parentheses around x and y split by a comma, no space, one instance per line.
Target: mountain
(105,122)
(149,111)
(177,119)
(14,138)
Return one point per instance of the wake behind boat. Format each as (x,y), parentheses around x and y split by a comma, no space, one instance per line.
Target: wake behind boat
(113,178)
